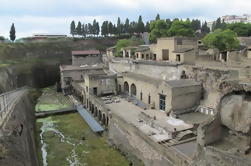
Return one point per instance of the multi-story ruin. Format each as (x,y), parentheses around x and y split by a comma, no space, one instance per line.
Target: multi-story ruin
(167,103)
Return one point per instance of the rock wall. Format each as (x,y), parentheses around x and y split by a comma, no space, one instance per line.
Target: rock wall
(17,142)
(7,79)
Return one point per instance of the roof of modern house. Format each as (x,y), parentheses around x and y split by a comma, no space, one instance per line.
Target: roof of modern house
(86,52)
(182,83)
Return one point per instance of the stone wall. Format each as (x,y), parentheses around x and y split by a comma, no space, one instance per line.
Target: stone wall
(17,142)
(133,142)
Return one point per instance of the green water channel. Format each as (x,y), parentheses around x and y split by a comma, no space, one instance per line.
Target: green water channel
(66,140)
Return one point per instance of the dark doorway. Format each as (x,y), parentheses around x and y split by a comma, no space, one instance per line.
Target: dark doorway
(224,56)
(165,54)
(126,88)
(95,91)
(178,57)
(149,99)
(133,90)
(162,102)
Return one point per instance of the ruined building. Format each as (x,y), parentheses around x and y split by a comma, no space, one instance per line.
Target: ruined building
(164,104)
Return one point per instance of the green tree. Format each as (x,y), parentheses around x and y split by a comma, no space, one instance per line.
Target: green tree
(83,30)
(180,28)
(110,28)
(133,27)
(157,17)
(223,40)
(147,27)
(219,24)
(12,32)
(204,28)
(97,29)
(158,29)
(79,28)
(104,28)
(127,24)
(119,27)
(169,23)
(196,24)
(90,29)
(73,28)
(241,29)
(140,25)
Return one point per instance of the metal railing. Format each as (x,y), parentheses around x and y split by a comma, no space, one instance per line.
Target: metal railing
(7,99)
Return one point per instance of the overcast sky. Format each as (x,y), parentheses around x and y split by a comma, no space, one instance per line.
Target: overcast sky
(54,16)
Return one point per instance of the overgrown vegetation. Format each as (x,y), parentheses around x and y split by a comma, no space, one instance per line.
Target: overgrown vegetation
(126,43)
(88,148)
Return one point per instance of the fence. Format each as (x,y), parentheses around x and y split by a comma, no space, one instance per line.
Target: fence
(7,100)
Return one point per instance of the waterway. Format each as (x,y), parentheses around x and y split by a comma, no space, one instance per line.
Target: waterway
(66,140)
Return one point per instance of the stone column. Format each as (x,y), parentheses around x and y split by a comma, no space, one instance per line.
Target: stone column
(124,53)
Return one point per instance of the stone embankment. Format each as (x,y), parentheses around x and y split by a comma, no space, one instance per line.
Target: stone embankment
(17,142)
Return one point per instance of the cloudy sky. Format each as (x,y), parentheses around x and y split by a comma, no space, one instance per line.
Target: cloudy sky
(54,16)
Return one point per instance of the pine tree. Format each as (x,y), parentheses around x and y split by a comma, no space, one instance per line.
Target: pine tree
(157,17)
(140,25)
(119,26)
(97,29)
(126,27)
(12,32)
(83,30)
(169,23)
(110,28)
(73,28)
(94,27)
(86,30)
(79,29)
(204,28)
(147,27)
(90,29)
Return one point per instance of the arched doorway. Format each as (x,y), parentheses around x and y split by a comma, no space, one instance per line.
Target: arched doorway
(96,112)
(104,119)
(126,87)
(133,90)
(99,115)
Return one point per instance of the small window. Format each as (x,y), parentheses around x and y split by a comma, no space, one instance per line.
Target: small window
(141,96)
(179,41)
(86,88)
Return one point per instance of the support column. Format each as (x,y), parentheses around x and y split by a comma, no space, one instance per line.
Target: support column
(124,53)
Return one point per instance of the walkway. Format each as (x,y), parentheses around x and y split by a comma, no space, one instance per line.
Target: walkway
(89,119)
(42,114)
(7,101)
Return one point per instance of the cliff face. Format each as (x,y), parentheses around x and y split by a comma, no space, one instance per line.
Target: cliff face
(17,142)
(7,79)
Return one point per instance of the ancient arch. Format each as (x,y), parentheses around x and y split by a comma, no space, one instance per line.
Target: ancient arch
(133,90)
(104,119)
(96,112)
(99,115)
(126,87)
